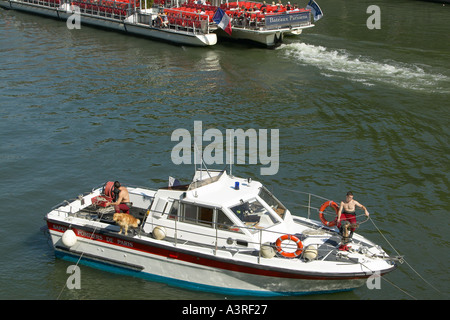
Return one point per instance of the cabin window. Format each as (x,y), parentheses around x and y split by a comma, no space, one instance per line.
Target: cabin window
(224,223)
(205,216)
(190,213)
(160,207)
(273,202)
(173,213)
(197,215)
(254,215)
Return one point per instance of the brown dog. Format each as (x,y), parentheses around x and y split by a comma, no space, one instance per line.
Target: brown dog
(125,220)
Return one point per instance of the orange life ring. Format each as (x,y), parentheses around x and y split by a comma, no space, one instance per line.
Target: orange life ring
(289,254)
(325,205)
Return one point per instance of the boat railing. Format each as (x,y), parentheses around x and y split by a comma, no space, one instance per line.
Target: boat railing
(308,202)
(115,9)
(215,241)
(181,231)
(47,3)
(191,22)
(249,15)
(110,9)
(269,20)
(185,19)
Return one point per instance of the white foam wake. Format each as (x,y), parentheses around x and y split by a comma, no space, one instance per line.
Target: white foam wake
(339,63)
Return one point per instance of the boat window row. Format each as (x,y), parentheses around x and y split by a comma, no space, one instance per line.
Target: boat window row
(201,215)
(48,3)
(254,213)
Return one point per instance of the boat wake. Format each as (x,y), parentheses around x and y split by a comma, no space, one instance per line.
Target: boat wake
(340,63)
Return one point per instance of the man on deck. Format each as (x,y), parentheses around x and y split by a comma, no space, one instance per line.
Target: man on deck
(122,203)
(347,212)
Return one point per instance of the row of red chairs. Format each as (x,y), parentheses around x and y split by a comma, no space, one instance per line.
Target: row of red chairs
(251,5)
(176,13)
(183,22)
(240,4)
(203,7)
(187,17)
(117,8)
(48,2)
(108,3)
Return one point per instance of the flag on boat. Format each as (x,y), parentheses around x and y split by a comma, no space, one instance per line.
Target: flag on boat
(223,20)
(315,10)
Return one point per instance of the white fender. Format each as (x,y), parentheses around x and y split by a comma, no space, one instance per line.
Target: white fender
(69,238)
(159,233)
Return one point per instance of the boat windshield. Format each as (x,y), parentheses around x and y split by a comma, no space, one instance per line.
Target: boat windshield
(253,214)
(273,202)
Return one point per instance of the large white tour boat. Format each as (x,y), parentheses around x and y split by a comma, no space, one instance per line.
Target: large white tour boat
(265,24)
(130,16)
(186,22)
(219,233)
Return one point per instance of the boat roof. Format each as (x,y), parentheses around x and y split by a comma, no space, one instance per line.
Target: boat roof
(218,188)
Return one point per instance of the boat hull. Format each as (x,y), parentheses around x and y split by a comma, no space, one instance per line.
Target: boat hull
(267,38)
(214,273)
(168,35)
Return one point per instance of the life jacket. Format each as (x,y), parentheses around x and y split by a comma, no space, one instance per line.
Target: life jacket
(110,191)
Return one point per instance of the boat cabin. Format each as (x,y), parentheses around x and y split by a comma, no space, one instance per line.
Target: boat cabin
(217,207)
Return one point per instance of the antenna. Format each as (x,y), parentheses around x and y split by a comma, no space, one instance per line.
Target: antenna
(202,162)
(231,154)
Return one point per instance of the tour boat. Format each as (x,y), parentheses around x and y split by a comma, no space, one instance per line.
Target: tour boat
(180,22)
(247,21)
(129,16)
(219,233)
(264,24)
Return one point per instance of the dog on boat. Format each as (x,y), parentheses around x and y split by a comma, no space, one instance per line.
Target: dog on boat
(125,220)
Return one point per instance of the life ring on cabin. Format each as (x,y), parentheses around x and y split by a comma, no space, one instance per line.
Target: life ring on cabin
(289,254)
(325,205)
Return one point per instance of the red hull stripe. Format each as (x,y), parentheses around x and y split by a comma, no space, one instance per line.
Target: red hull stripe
(195,259)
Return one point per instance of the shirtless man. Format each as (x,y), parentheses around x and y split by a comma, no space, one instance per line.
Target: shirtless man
(347,210)
(122,203)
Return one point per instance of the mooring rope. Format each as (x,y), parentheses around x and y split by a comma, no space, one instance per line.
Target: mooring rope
(403,259)
(390,282)
(82,253)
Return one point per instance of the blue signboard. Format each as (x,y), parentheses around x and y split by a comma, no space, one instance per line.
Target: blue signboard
(293,19)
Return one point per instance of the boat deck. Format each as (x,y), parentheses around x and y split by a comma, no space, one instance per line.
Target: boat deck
(327,251)
(93,212)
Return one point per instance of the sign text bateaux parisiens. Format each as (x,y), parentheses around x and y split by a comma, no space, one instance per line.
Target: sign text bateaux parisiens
(294,19)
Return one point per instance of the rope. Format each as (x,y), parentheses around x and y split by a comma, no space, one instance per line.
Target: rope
(423,279)
(394,285)
(82,253)
(390,282)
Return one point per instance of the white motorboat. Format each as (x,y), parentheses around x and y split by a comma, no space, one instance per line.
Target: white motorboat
(127,16)
(219,233)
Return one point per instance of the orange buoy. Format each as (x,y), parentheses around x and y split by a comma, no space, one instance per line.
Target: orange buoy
(289,254)
(325,205)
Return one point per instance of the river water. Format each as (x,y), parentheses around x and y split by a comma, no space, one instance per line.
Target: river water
(357,109)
